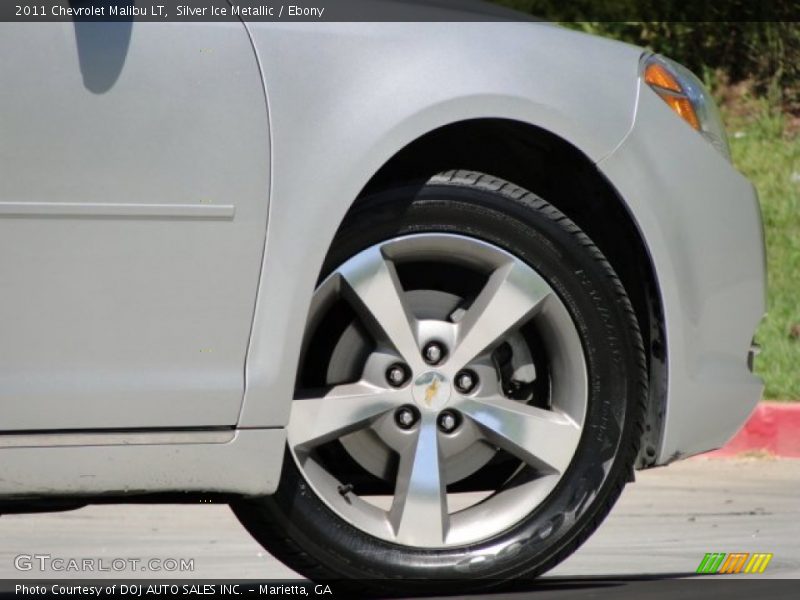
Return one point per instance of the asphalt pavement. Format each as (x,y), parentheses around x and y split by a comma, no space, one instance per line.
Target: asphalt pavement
(659,531)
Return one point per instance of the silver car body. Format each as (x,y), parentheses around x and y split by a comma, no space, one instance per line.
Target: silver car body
(166,205)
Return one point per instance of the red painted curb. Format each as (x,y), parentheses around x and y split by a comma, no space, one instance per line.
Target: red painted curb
(774,427)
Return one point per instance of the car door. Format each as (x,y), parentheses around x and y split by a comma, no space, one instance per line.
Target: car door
(133,204)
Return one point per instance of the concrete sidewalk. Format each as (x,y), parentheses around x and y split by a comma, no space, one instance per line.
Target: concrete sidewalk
(665,523)
(662,527)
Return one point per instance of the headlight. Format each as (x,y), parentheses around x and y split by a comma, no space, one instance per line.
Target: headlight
(687,97)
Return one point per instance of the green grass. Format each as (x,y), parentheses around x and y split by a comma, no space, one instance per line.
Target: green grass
(770,157)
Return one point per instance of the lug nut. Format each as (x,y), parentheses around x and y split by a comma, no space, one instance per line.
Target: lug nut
(447,421)
(433,353)
(466,381)
(405,417)
(396,375)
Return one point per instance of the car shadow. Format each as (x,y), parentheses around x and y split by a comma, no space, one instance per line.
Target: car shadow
(645,586)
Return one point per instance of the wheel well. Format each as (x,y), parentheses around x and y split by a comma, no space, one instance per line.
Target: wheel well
(558,172)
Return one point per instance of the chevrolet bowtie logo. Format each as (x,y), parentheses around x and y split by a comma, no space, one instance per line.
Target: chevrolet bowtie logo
(431,392)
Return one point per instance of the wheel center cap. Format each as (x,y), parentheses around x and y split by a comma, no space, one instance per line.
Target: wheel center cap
(431,391)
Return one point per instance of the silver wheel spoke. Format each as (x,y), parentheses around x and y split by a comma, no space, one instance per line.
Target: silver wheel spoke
(538,437)
(340,411)
(377,294)
(510,297)
(419,509)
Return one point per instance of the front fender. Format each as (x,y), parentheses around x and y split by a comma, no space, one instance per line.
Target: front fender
(344,98)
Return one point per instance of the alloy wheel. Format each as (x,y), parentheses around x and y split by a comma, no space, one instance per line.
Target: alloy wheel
(464,393)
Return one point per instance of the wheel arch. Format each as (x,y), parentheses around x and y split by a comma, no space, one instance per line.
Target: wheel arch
(550,159)
(555,169)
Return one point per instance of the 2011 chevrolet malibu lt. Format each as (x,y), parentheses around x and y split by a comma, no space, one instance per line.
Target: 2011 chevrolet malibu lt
(416,299)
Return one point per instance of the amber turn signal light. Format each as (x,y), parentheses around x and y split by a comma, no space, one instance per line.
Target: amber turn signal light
(667,87)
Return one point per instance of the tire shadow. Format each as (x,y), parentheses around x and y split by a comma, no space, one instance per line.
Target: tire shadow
(646,586)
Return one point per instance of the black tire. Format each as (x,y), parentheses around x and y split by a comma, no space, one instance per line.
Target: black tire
(300,530)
